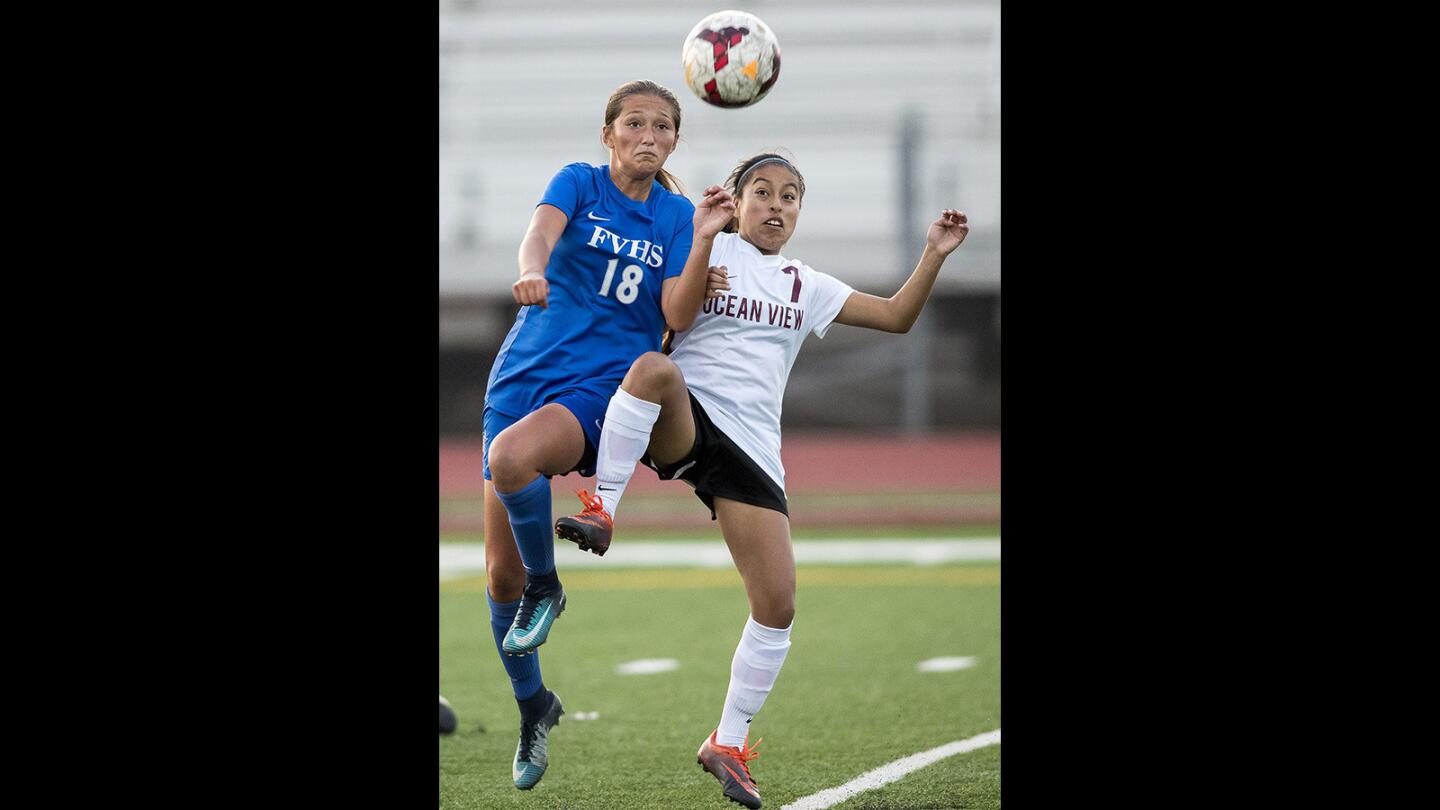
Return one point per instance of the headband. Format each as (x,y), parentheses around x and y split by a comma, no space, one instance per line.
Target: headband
(739,184)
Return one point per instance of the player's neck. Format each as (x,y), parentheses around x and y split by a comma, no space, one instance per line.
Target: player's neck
(636,189)
(763,251)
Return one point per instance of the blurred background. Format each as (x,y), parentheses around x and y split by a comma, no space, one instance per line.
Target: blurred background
(892,112)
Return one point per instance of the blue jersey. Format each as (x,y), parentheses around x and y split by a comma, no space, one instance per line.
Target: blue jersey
(604,278)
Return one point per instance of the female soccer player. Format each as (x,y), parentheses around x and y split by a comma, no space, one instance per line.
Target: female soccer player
(600,280)
(709,414)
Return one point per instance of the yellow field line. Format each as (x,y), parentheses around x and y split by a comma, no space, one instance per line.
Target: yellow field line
(807,577)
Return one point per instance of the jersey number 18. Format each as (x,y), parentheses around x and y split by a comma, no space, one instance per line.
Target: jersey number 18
(629,282)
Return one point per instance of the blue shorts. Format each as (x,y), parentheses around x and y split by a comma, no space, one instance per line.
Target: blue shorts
(587,408)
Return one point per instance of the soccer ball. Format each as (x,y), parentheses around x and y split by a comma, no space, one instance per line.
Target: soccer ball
(731,59)
(448,721)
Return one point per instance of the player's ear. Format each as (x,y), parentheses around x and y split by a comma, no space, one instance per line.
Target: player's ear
(605,136)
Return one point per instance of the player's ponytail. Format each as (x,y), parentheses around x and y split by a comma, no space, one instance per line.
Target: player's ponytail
(670,182)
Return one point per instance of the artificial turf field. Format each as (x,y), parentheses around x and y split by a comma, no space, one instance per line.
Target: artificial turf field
(849,699)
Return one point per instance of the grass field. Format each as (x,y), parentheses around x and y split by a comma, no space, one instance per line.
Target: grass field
(849,699)
(887,532)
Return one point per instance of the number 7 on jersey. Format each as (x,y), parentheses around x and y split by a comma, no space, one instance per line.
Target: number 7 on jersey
(795,291)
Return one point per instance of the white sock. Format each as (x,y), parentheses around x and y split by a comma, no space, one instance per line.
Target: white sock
(628,422)
(753,671)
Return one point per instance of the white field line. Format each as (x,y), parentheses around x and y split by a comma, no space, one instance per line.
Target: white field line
(947,664)
(885,774)
(463,559)
(647,666)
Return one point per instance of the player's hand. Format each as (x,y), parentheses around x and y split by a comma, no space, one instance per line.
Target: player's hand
(947,232)
(717,282)
(714,211)
(532,288)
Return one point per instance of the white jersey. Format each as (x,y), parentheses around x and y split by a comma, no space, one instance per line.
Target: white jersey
(737,355)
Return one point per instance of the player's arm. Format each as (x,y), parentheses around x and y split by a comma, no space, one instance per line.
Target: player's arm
(547,225)
(681,296)
(898,312)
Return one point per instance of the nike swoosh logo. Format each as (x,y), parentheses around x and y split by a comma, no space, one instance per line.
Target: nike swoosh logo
(605,489)
(524,638)
(740,781)
(598,425)
(591,214)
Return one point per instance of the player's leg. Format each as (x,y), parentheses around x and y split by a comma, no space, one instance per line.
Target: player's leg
(759,542)
(650,411)
(549,441)
(655,378)
(504,585)
(505,573)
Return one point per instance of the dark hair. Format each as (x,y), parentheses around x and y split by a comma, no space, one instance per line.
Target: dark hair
(646,87)
(732,183)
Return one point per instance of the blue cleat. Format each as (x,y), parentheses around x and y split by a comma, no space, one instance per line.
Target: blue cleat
(540,605)
(532,755)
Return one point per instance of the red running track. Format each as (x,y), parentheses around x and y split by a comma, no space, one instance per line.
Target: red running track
(967,462)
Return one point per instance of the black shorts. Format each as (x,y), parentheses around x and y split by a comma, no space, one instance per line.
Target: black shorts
(717,467)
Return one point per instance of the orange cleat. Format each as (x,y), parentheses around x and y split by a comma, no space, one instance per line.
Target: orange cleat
(731,766)
(591,528)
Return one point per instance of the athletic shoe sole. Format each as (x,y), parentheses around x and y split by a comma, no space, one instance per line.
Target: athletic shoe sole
(578,533)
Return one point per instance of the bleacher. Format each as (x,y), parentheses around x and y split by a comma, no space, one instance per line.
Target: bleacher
(523,84)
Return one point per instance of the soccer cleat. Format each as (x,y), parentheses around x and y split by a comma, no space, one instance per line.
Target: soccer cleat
(540,605)
(731,766)
(591,528)
(532,755)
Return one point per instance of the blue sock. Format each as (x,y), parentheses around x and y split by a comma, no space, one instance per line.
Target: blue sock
(529,510)
(524,670)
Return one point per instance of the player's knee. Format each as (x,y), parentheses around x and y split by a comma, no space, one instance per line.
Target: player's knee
(778,611)
(651,373)
(508,467)
(785,614)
